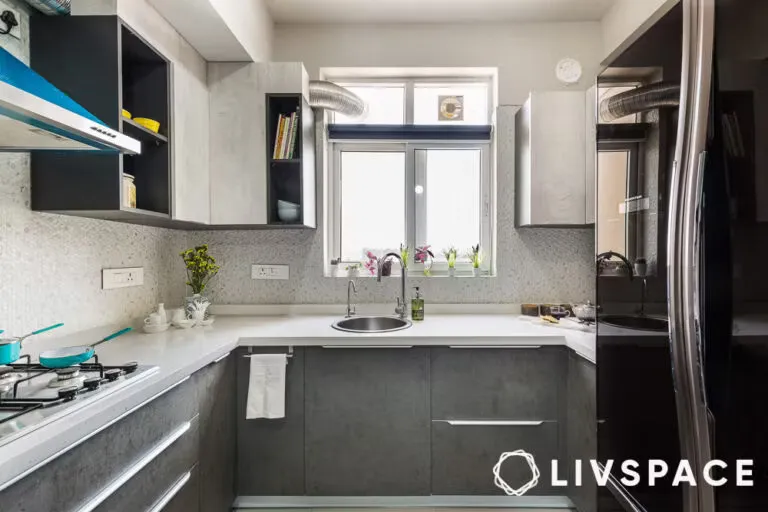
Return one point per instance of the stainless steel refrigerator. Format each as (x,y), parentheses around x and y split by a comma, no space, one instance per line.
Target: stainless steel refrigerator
(695,225)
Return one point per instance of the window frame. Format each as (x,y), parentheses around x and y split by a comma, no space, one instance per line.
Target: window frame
(409,83)
(414,230)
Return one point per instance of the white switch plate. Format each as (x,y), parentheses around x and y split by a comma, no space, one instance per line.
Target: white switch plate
(121,277)
(16,31)
(270,272)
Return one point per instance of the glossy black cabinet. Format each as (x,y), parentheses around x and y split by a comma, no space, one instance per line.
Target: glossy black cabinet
(367,421)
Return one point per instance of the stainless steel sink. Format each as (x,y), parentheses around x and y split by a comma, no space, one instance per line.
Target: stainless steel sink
(640,323)
(371,324)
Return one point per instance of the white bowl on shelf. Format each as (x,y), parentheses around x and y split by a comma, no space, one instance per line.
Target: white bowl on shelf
(286,205)
(288,214)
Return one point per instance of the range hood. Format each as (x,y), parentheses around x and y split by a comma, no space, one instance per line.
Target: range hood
(35,115)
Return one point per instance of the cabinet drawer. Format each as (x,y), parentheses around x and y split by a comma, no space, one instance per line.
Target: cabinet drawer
(148,487)
(463,457)
(497,383)
(78,475)
(184,495)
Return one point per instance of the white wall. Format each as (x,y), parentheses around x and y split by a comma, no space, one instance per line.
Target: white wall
(251,23)
(526,54)
(627,20)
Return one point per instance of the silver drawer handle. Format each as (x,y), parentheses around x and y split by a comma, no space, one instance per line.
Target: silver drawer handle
(171,493)
(491,423)
(221,358)
(497,346)
(367,346)
(133,470)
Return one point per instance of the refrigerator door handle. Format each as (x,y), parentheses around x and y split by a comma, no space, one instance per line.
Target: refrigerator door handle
(683,248)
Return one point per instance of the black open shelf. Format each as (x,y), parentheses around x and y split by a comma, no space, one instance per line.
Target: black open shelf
(291,179)
(121,71)
(135,130)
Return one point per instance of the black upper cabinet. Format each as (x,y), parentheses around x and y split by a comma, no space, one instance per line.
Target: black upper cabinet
(106,67)
(291,176)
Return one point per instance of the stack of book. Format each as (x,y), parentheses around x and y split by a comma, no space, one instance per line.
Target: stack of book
(285,142)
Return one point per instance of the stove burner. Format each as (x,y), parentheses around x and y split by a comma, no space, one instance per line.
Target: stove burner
(113,374)
(130,366)
(92,383)
(66,377)
(4,370)
(68,393)
(68,373)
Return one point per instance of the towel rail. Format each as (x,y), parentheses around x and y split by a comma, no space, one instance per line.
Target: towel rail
(289,355)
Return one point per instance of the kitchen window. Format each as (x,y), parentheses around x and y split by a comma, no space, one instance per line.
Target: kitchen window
(417,170)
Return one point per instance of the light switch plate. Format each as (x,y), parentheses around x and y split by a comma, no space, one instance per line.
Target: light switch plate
(15,31)
(112,278)
(281,272)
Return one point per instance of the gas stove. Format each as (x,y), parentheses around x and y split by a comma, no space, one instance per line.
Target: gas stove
(32,396)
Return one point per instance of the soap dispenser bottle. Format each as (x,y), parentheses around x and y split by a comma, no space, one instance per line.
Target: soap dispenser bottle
(417,307)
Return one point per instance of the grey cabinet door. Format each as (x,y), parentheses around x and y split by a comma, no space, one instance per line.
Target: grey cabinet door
(217,390)
(367,422)
(187,497)
(581,429)
(79,474)
(498,383)
(270,453)
(463,457)
(148,486)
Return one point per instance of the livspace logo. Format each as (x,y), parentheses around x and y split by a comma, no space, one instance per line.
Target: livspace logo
(631,473)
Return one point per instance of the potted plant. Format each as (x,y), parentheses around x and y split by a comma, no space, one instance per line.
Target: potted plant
(450,256)
(353,270)
(476,257)
(405,252)
(425,256)
(201,267)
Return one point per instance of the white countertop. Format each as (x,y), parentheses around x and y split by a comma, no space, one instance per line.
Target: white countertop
(179,353)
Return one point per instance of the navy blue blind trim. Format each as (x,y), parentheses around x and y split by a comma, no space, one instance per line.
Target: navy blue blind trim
(408,132)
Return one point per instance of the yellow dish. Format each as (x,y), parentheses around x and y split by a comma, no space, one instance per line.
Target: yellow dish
(126,114)
(149,124)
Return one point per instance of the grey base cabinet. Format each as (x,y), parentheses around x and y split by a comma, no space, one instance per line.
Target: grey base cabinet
(367,422)
(487,401)
(581,430)
(218,431)
(270,452)
(175,453)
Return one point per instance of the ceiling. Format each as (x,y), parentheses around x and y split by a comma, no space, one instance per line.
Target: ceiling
(435,11)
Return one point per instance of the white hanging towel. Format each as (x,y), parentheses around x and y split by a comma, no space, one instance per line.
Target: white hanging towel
(266,387)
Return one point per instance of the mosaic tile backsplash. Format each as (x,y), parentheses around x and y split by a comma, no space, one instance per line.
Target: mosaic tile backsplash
(50,265)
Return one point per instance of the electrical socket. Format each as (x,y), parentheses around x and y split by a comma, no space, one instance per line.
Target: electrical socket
(112,278)
(15,31)
(270,272)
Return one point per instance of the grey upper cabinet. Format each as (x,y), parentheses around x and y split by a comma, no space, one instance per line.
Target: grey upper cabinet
(270,452)
(367,422)
(551,160)
(239,149)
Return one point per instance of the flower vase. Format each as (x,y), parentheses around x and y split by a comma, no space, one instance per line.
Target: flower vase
(451,271)
(476,272)
(197,307)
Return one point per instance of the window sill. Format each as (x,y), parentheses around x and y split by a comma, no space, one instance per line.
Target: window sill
(439,274)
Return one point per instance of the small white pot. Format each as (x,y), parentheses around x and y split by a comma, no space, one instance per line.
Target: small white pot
(476,272)
(451,271)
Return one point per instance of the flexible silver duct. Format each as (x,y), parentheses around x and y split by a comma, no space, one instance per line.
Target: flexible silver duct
(329,96)
(51,7)
(649,97)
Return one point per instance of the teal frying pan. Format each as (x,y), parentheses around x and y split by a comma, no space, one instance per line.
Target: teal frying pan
(70,356)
